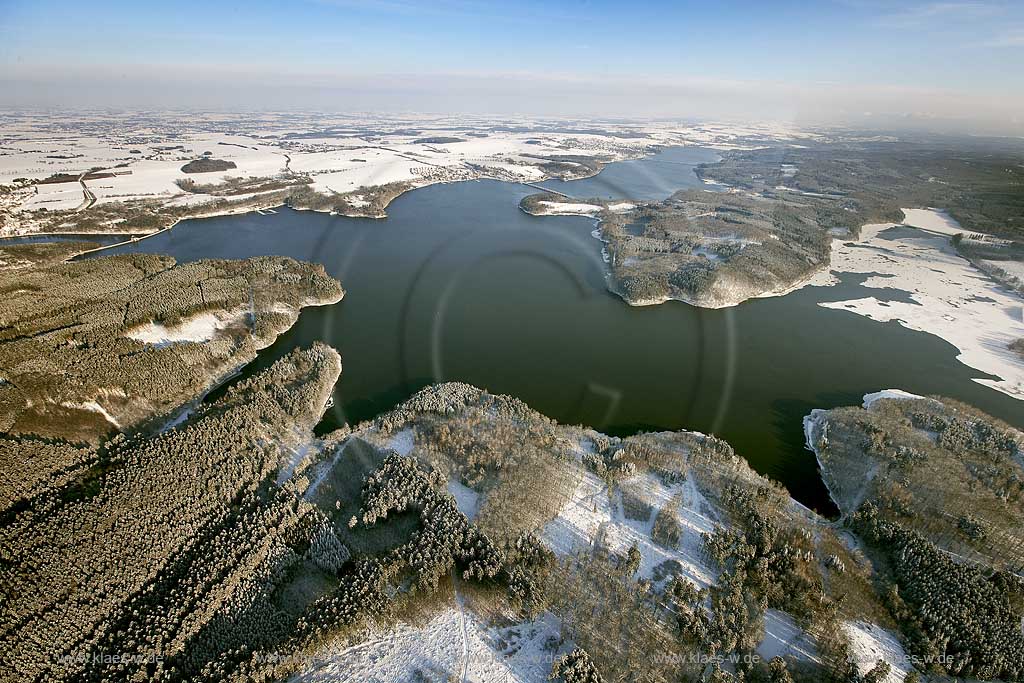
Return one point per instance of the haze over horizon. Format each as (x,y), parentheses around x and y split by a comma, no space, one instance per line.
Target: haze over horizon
(951,66)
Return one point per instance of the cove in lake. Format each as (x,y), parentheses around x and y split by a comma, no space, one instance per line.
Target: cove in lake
(459,284)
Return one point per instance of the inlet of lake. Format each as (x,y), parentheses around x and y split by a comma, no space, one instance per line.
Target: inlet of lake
(458,284)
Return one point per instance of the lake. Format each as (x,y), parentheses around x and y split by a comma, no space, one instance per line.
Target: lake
(459,284)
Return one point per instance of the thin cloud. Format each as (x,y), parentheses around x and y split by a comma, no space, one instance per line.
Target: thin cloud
(471,9)
(1011,38)
(938,12)
(400,7)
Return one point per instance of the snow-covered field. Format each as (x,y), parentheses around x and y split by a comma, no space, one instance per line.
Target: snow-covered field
(55,197)
(950,298)
(339,154)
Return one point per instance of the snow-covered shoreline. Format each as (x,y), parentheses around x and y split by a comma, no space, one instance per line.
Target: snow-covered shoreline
(949,297)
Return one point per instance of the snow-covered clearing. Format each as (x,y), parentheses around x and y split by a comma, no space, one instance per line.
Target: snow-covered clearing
(577,523)
(295,455)
(452,642)
(568,208)
(869,643)
(784,638)
(95,407)
(199,328)
(347,170)
(466,498)
(402,441)
(589,515)
(55,197)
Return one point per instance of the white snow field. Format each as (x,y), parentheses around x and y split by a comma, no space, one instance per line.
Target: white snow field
(339,154)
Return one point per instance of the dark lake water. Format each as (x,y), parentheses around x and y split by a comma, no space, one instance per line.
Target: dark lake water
(459,284)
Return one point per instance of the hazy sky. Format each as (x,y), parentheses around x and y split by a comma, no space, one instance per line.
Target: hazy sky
(801,61)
